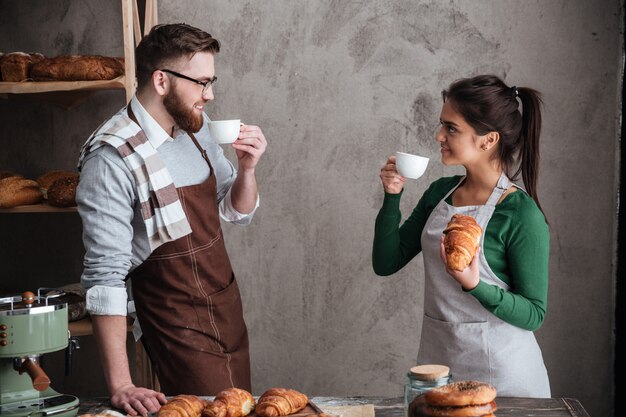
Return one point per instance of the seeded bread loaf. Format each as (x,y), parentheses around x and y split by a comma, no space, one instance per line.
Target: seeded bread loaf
(18,191)
(46,180)
(62,192)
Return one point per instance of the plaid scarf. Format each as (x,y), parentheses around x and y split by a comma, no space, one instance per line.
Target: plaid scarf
(161,209)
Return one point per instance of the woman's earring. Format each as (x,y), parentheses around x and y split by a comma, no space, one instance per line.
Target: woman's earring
(483,147)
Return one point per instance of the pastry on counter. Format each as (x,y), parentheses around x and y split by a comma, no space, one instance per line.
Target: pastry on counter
(18,191)
(231,402)
(182,406)
(16,66)
(277,402)
(78,68)
(457,399)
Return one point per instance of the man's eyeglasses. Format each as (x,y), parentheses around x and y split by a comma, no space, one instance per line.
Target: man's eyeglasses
(205,84)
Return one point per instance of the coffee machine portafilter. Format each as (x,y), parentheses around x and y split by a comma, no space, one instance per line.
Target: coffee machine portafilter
(30,326)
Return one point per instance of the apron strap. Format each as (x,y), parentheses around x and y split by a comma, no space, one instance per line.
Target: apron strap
(501,187)
(486,211)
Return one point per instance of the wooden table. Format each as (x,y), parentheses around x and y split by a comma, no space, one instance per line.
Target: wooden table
(393,407)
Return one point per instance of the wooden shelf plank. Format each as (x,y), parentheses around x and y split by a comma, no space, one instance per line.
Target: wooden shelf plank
(35,87)
(38,208)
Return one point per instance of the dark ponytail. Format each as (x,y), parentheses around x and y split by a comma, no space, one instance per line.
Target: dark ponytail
(488,105)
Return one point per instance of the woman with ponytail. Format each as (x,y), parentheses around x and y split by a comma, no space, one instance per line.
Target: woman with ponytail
(479,321)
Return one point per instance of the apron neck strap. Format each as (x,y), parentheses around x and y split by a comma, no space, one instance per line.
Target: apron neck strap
(503,184)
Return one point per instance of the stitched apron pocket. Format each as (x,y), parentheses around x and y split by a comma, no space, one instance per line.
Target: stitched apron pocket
(220,316)
(464,346)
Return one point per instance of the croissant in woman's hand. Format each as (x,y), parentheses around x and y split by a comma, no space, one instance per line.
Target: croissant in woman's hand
(182,406)
(231,402)
(461,241)
(280,402)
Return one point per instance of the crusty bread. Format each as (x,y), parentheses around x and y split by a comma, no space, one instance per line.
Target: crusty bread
(461,241)
(461,393)
(7,174)
(457,399)
(16,66)
(18,191)
(77,68)
(62,192)
(47,179)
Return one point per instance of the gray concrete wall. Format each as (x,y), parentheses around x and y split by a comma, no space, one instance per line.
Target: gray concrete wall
(338,86)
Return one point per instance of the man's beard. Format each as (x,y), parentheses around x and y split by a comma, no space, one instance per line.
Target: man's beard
(184,116)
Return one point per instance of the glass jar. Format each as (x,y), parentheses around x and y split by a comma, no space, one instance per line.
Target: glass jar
(421,378)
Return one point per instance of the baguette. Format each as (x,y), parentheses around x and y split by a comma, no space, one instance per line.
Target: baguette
(77,68)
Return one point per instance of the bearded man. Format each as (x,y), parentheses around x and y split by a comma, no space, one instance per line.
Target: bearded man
(153,187)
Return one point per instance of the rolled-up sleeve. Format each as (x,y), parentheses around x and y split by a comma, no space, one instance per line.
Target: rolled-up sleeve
(105,199)
(110,301)
(229,214)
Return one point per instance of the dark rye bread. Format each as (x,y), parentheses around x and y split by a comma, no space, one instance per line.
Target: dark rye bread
(47,179)
(62,192)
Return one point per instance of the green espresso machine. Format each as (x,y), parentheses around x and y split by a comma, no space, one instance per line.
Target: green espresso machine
(31,325)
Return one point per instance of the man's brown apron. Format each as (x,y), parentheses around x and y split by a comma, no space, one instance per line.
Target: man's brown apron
(188,303)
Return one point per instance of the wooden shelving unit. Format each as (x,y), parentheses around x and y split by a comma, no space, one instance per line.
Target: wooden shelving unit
(38,208)
(70,93)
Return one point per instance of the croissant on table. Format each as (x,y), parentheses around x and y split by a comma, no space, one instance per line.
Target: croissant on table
(280,402)
(183,406)
(461,241)
(231,402)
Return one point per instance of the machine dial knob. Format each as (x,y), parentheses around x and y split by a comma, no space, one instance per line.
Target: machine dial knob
(28,297)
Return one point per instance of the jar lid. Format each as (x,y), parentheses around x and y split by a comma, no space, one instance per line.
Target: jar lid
(430,372)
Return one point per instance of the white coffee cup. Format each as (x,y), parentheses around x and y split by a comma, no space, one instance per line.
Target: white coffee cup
(224,131)
(410,166)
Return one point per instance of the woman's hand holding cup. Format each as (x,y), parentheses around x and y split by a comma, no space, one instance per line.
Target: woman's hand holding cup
(393,182)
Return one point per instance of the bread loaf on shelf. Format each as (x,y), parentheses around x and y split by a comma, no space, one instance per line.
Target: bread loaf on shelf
(17,66)
(62,192)
(46,180)
(18,191)
(78,68)
(7,174)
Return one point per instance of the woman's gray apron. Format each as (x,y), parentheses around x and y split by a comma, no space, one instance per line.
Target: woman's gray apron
(459,332)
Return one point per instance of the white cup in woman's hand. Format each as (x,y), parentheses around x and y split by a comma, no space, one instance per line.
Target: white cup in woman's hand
(411,166)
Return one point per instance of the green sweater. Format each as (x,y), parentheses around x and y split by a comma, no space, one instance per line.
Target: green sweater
(516,246)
